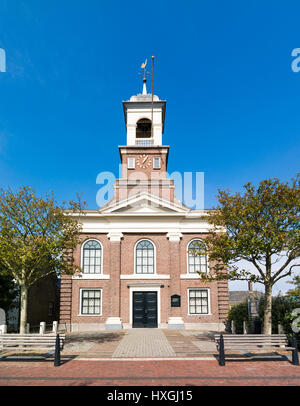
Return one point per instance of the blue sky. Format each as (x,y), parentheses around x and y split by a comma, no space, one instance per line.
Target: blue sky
(223,67)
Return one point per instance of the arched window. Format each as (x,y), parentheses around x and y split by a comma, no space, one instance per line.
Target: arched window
(143,128)
(144,257)
(197,260)
(91,257)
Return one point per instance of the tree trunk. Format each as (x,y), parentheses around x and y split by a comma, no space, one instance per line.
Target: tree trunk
(23,315)
(268,310)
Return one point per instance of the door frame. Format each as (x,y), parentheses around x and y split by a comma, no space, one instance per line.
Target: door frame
(143,289)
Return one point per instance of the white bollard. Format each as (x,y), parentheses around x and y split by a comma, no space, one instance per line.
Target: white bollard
(42,327)
(55,326)
(27,328)
(3,328)
(232,327)
(245,329)
(280,329)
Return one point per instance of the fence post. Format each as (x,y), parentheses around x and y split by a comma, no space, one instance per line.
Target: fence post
(57,352)
(42,327)
(55,325)
(280,329)
(221,351)
(295,358)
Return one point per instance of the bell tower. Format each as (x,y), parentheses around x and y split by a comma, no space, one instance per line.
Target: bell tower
(144,118)
(144,158)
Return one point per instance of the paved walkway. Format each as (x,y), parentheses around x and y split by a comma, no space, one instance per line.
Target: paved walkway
(141,342)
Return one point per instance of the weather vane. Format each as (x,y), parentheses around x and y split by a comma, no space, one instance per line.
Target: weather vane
(145,72)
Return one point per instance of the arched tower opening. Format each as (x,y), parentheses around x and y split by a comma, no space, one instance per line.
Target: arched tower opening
(143,128)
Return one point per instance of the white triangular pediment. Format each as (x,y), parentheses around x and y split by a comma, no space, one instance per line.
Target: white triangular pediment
(143,203)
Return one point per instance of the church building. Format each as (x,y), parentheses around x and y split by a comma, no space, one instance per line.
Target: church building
(138,269)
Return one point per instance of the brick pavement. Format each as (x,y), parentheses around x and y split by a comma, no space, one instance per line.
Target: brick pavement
(163,351)
(145,373)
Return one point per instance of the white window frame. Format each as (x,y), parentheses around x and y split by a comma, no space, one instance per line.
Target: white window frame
(91,275)
(130,163)
(208,302)
(80,302)
(187,259)
(159,160)
(141,275)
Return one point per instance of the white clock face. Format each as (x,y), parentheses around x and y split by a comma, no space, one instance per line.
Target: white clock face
(143,161)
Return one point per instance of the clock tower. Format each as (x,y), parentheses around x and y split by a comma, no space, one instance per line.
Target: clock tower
(144,158)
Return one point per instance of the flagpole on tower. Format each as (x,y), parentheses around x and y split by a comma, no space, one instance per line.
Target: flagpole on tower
(152,99)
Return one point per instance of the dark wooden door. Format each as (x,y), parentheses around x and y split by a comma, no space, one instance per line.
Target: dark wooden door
(145,309)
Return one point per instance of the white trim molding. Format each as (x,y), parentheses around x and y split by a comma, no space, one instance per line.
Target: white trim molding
(145,276)
(93,276)
(190,276)
(115,236)
(174,236)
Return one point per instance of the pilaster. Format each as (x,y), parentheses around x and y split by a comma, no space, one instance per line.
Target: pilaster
(114,322)
(175,320)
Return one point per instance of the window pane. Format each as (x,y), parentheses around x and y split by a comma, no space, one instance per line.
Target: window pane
(92,257)
(91,301)
(144,257)
(198,301)
(196,257)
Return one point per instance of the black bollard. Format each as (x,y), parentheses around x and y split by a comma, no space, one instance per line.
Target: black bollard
(57,352)
(221,351)
(295,358)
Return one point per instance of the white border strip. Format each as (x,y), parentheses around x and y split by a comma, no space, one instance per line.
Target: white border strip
(149,359)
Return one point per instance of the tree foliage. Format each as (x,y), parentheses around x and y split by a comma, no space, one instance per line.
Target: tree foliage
(260,227)
(239,313)
(295,292)
(37,238)
(282,307)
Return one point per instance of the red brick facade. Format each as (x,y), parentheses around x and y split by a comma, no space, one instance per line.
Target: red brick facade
(118,262)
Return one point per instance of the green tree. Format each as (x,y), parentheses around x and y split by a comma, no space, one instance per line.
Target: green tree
(259,227)
(282,307)
(239,313)
(295,293)
(37,238)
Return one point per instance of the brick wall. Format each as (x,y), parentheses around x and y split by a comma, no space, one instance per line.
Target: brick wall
(171,259)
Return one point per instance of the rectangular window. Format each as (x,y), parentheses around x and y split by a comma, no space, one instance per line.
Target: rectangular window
(131,163)
(156,163)
(198,301)
(90,301)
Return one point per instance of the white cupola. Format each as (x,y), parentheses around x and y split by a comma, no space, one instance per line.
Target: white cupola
(139,113)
